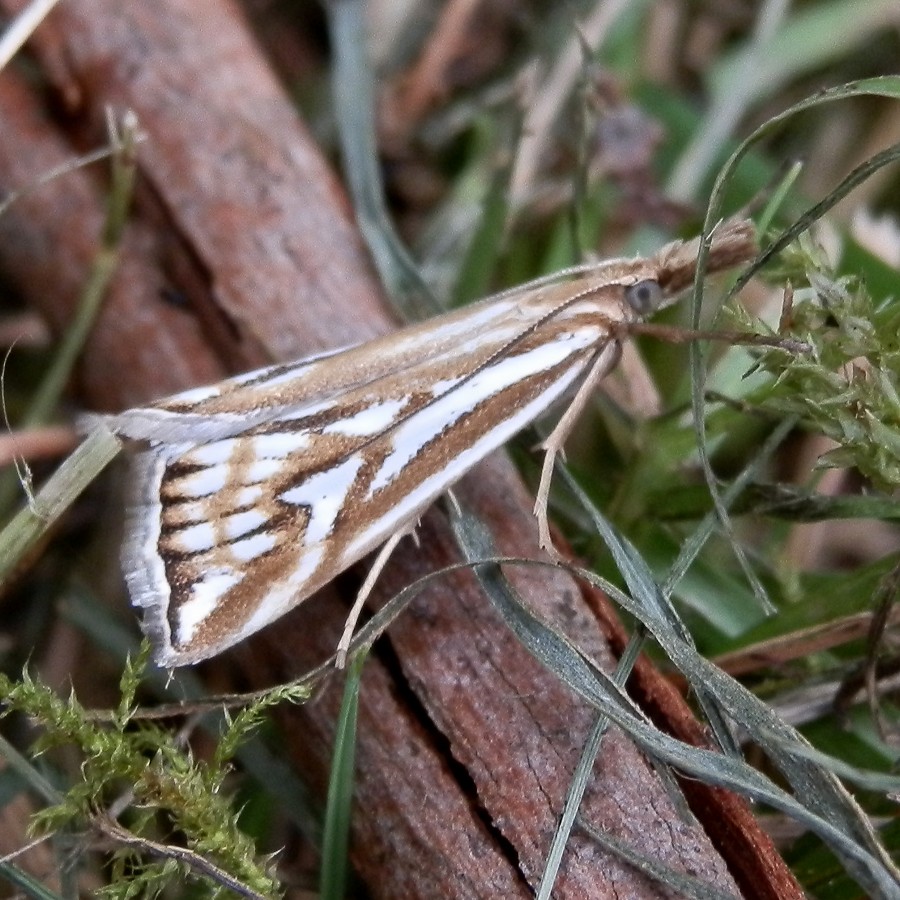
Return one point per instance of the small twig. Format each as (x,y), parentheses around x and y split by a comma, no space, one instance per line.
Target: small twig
(37,443)
(678,335)
(21,851)
(114,146)
(24,329)
(113,830)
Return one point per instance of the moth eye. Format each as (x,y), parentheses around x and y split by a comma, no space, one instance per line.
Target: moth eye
(644,297)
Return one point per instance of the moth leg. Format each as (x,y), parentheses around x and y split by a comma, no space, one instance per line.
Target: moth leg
(452,498)
(378,565)
(553,444)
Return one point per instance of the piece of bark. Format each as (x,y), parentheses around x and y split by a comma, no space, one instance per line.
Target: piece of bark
(466,745)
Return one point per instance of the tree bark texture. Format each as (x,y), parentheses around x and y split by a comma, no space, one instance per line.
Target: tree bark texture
(466,745)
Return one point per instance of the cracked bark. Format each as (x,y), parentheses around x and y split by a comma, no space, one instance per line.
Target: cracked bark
(466,745)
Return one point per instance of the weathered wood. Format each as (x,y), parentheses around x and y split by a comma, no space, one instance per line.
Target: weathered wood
(466,745)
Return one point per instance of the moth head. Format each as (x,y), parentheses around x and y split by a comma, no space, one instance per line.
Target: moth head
(645,297)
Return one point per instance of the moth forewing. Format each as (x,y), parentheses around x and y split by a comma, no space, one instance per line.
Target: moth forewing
(252,493)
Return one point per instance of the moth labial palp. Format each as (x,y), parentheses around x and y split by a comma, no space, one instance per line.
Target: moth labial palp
(249,495)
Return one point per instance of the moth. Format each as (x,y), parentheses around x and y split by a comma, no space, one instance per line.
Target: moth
(250,494)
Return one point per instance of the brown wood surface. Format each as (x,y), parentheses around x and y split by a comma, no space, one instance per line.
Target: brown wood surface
(466,745)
